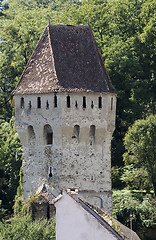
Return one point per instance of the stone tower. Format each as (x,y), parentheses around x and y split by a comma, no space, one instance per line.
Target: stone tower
(65,109)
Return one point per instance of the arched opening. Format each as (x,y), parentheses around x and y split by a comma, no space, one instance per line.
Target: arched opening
(31,135)
(92,134)
(68,101)
(55,101)
(48,135)
(22,102)
(100,102)
(92,104)
(39,102)
(76,132)
(84,102)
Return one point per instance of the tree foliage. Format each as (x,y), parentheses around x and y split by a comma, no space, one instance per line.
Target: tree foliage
(137,205)
(25,228)
(140,152)
(10,163)
(126,35)
(124,31)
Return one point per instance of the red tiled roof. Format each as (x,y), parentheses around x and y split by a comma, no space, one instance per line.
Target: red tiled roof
(66,58)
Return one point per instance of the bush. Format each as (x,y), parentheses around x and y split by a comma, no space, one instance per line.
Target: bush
(24,228)
(140,205)
(136,178)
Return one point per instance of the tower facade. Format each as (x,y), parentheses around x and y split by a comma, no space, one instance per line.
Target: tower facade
(65,109)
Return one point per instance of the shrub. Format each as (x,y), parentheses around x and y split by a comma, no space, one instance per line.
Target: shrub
(141,206)
(24,228)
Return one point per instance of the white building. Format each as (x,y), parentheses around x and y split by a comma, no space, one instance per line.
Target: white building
(79,220)
(65,109)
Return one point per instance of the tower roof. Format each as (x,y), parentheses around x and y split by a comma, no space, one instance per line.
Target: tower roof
(66,59)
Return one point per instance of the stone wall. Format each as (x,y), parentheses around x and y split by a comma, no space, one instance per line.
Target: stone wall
(66,142)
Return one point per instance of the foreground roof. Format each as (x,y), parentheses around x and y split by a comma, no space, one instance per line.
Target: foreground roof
(66,58)
(120,231)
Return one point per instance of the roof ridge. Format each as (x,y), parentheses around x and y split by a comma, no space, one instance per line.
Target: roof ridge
(102,221)
(51,50)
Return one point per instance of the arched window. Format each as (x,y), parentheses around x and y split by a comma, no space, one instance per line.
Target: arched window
(48,135)
(22,102)
(92,104)
(92,134)
(100,102)
(31,135)
(55,101)
(84,102)
(39,102)
(76,132)
(68,101)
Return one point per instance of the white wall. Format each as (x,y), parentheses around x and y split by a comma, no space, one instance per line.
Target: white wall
(73,222)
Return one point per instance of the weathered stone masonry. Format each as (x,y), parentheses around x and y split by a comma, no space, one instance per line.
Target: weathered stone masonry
(65,132)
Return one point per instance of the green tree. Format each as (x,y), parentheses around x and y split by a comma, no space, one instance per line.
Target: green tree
(10,163)
(125,33)
(140,148)
(21,26)
(137,205)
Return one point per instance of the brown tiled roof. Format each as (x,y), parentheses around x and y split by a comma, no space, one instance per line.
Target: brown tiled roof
(43,195)
(66,58)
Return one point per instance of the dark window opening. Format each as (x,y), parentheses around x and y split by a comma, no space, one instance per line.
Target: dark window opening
(50,172)
(30,106)
(31,135)
(22,102)
(47,105)
(76,104)
(48,212)
(38,102)
(111,103)
(49,138)
(84,102)
(76,132)
(48,135)
(92,105)
(100,102)
(55,101)
(92,134)
(68,101)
